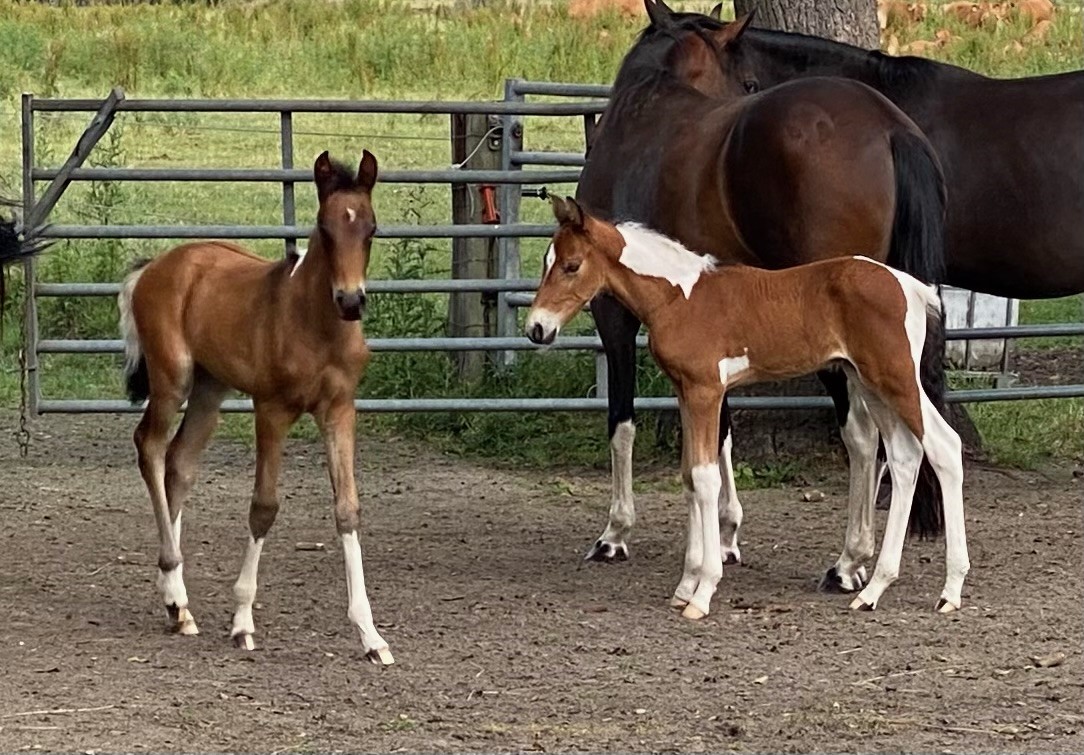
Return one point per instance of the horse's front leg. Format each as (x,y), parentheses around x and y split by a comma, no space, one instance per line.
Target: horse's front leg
(617,327)
(337,424)
(700,437)
(730,507)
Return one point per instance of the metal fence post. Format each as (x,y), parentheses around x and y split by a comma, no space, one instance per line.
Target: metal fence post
(289,210)
(30,312)
(508,248)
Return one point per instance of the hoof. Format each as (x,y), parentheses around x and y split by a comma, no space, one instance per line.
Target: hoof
(946,606)
(833,581)
(607,553)
(676,602)
(860,605)
(693,613)
(381,656)
(244,641)
(731,556)
(181,621)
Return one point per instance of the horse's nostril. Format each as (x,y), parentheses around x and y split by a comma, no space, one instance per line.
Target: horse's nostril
(536,333)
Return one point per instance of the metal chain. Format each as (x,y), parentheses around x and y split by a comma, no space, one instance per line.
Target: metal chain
(23,433)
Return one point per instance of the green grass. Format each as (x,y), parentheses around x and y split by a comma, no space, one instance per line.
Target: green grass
(371,49)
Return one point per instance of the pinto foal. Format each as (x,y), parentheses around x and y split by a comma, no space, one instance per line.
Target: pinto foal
(711,330)
(210,316)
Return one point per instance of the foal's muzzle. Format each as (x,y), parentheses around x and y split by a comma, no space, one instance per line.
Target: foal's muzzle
(351,304)
(539,334)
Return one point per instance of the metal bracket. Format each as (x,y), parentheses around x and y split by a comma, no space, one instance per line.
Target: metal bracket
(95,130)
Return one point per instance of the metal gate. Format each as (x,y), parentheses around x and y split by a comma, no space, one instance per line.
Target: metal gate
(518,168)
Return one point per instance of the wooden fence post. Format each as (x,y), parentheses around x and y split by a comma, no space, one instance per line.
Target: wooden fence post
(471,314)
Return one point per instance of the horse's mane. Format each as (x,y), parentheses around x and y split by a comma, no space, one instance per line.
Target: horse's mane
(803,52)
(645,64)
(344,178)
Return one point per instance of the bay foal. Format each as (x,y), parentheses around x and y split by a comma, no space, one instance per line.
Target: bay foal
(712,329)
(210,316)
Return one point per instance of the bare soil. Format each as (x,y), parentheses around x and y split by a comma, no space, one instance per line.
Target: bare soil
(504,639)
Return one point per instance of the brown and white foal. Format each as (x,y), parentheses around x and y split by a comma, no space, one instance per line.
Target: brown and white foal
(208,317)
(711,330)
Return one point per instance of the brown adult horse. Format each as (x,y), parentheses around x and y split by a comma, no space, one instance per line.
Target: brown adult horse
(716,328)
(1011,149)
(211,316)
(810,170)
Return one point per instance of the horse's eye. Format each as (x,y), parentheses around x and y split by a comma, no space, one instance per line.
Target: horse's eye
(570,268)
(751,86)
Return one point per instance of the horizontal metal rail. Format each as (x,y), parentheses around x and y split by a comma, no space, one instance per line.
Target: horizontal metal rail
(560,89)
(84,406)
(517,230)
(570,343)
(406,107)
(548,158)
(447,285)
(297,175)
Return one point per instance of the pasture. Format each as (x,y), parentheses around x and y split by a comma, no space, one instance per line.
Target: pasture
(474,526)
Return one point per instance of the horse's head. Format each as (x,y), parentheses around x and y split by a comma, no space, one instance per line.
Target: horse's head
(699,51)
(574,272)
(345,225)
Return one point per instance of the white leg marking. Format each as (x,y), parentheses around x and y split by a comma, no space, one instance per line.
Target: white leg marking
(945,452)
(707,484)
(244,591)
(730,506)
(694,553)
(904,453)
(174,594)
(613,542)
(860,436)
(359,611)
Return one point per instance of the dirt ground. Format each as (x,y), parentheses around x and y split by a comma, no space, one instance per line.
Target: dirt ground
(504,639)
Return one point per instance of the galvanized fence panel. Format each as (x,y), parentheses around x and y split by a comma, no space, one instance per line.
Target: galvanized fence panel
(519,168)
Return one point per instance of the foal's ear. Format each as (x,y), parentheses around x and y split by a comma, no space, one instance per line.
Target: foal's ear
(323,173)
(567,212)
(733,31)
(659,13)
(716,12)
(367,171)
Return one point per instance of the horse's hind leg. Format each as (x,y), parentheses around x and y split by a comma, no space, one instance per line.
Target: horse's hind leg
(945,452)
(860,436)
(617,328)
(729,507)
(182,458)
(152,440)
(904,451)
(272,424)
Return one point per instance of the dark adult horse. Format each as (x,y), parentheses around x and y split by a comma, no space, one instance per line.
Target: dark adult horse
(805,171)
(14,247)
(1012,150)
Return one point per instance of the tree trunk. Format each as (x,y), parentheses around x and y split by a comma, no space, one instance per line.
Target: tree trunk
(852,21)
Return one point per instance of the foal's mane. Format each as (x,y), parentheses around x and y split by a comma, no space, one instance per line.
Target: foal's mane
(344,178)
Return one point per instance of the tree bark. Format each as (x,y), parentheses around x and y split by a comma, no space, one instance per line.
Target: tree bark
(852,21)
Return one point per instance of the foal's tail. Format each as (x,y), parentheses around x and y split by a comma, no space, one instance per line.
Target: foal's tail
(135,366)
(918,248)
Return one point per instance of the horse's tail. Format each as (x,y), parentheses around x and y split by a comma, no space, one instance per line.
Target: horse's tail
(136,376)
(14,247)
(918,248)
